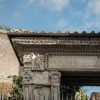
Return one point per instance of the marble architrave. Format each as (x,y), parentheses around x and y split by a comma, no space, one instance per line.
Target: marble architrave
(70,63)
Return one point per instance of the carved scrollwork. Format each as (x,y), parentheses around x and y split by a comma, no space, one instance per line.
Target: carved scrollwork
(27,77)
(55,77)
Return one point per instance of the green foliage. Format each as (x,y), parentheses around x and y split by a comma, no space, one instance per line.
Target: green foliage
(82,94)
(82,91)
(17,86)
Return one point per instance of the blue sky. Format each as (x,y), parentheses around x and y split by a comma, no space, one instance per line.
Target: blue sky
(90,89)
(51,15)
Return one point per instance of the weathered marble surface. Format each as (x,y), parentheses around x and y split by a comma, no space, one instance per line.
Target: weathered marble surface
(41,85)
(35,61)
(73,62)
(95,96)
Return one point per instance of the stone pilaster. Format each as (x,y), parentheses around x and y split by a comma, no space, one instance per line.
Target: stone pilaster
(27,77)
(55,85)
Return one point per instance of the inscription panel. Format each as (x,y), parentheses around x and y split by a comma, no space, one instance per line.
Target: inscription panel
(41,78)
(73,62)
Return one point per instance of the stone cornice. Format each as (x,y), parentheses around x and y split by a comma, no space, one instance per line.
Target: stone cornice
(22,33)
(57,41)
(56,45)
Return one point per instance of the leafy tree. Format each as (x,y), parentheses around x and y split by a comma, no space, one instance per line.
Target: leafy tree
(81,94)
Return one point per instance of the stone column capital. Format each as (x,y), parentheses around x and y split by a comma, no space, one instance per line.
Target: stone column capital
(55,77)
(27,78)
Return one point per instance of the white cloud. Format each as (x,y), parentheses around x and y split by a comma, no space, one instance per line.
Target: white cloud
(92,15)
(56,5)
(94,6)
(28,2)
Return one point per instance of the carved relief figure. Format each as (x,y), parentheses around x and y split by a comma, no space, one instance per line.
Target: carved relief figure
(36,59)
(39,62)
(42,93)
(29,57)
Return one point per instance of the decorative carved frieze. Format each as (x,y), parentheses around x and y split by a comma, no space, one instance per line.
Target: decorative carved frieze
(68,46)
(38,62)
(57,41)
(33,61)
(63,49)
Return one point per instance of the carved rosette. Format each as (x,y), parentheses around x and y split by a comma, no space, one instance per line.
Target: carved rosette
(55,78)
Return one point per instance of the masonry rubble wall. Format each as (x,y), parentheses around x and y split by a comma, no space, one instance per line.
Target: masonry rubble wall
(9,64)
